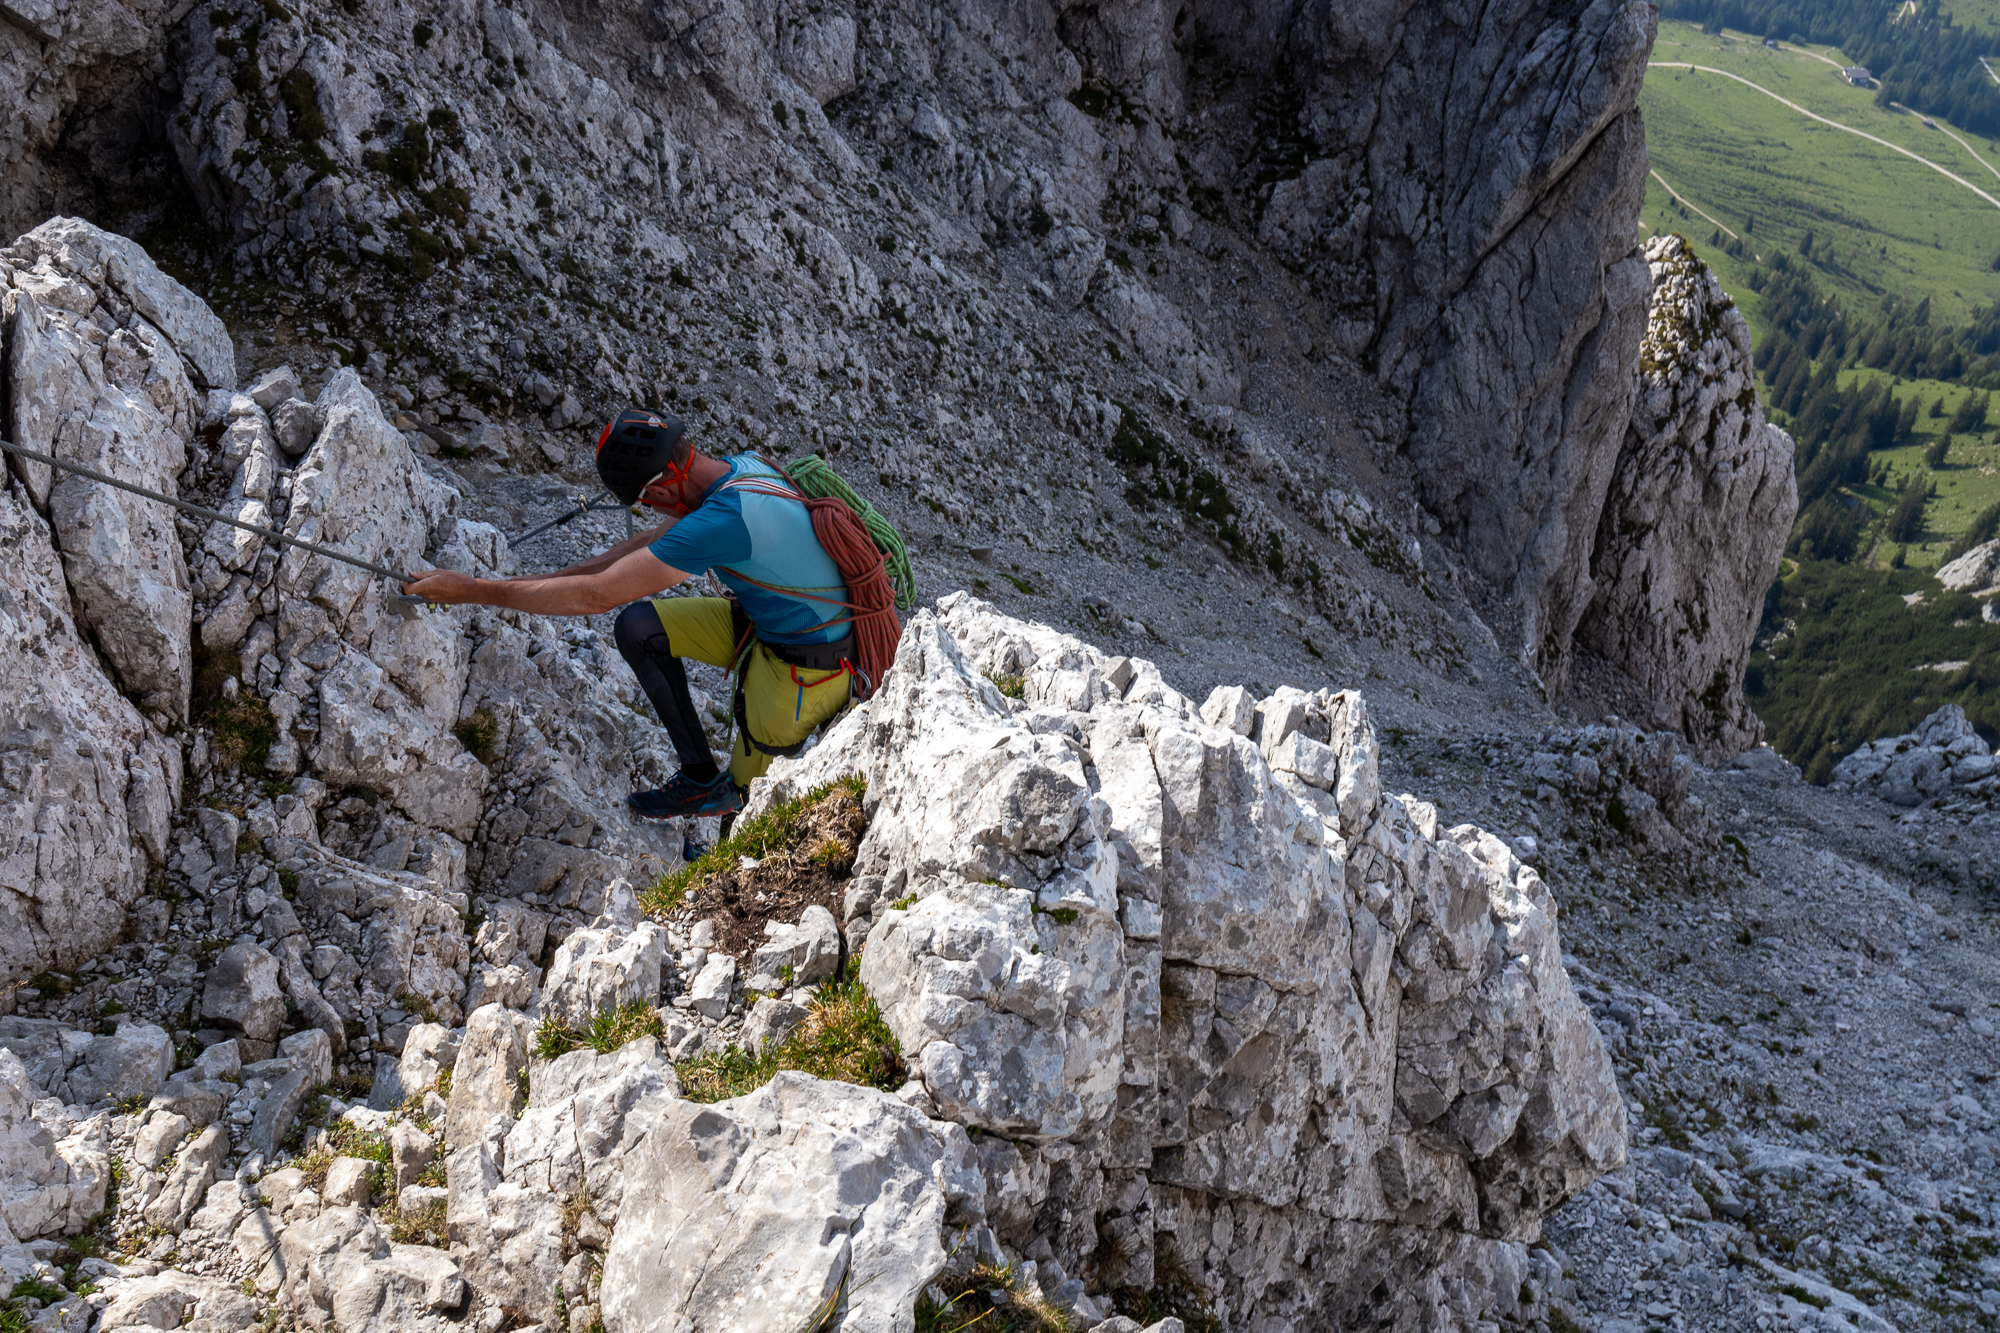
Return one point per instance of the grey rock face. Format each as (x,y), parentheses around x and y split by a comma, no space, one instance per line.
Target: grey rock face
(866,1211)
(1457,191)
(485,1080)
(1228,974)
(1700,506)
(78,827)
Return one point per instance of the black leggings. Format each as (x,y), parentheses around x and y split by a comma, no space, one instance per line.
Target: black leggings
(642,642)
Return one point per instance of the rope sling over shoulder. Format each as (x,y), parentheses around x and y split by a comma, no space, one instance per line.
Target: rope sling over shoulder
(873,564)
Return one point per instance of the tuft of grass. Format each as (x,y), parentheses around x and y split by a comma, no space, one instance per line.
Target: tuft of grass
(969,1304)
(420,1005)
(244,730)
(843,1038)
(754,838)
(607,1032)
(478,734)
(419,1226)
(1012,686)
(1175,1294)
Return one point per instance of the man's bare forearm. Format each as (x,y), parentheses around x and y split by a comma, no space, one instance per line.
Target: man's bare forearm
(555,594)
(597,564)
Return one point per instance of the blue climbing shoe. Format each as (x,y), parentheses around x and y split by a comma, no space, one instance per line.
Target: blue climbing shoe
(684,796)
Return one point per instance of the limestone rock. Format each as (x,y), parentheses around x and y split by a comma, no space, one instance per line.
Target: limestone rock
(429,1049)
(343,1268)
(347,1182)
(862,1206)
(711,987)
(243,994)
(68,850)
(1975,571)
(597,970)
(84,1067)
(193,1172)
(1185,961)
(1701,503)
(1943,755)
(486,1076)
(173,1299)
(573,1142)
(771,1019)
(46,1185)
(411,1152)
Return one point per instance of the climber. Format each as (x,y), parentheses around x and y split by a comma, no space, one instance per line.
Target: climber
(787,627)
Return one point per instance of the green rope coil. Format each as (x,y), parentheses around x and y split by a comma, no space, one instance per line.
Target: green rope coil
(812,475)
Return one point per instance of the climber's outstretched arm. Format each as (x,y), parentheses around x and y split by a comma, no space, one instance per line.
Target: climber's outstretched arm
(636,574)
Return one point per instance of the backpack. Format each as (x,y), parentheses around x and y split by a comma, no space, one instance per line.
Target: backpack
(869,553)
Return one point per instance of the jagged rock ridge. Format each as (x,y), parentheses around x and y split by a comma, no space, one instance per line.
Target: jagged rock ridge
(1199,982)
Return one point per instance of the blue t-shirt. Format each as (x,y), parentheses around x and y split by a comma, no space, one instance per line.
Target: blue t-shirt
(770,539)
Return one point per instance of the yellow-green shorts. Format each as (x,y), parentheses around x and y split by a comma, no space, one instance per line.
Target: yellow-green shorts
(781,703)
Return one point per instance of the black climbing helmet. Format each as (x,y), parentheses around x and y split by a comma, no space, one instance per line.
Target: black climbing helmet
(638,446)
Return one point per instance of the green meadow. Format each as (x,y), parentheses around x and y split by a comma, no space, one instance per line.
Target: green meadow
(1877,222)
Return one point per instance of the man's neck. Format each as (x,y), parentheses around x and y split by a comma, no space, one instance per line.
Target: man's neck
(704,473)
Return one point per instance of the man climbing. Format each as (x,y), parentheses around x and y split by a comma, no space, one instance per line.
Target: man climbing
(789,629)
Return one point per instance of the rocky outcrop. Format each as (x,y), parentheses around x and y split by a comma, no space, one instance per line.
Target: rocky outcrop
(1199,978)
(1977,571)
(1700,506)
(1943,759)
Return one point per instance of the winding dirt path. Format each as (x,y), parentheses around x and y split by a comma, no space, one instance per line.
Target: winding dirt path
(1683,200)
(1939,126)
(1814,115)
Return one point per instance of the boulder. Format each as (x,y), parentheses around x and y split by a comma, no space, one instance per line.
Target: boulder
(47,1185)
(187,1184)
(345,1272)
(771,1019)
(242,993)
(706,1233)
(1975,571)
(173,1299)
(710,990)
(429,1049)
(486,1076)
(597,970)
(1170,965)
(802,954)
(411,1152)
(348,1182)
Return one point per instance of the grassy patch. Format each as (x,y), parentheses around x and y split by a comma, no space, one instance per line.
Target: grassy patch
(418,1226)
(478,734)
(1879,222)
(969,1305)
(842,1038)
(755,838)
(606,1033)
(1014,687)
